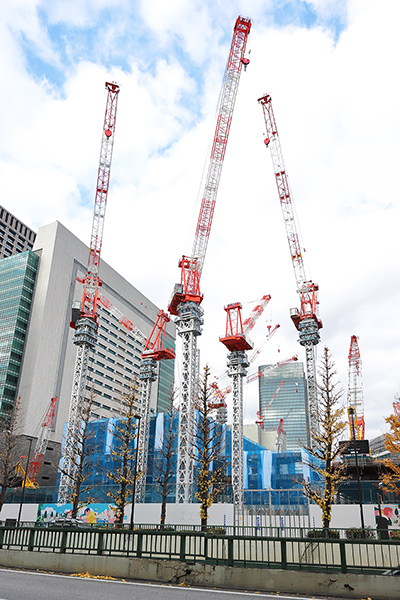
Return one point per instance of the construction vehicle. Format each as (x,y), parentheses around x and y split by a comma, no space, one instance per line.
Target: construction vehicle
(20,475)
(280,437)
(40,447)
(306,320)
(187,297)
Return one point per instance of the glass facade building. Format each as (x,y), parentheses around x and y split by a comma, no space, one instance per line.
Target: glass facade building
(166,380)
(283,395)
(17,282)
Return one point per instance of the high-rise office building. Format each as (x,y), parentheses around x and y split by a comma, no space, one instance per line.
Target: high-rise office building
(17,281)
(49,353)
(283,395)
(15,236)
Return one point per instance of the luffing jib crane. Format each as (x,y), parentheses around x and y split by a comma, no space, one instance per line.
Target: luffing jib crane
(187,297)
(307,320)
(355,395)
(153,352)
(236,340)
(85,322)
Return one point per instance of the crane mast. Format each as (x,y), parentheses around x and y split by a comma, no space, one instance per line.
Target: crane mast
(237,342)
(85,337)
(187,297)
(355,395)
(307,320)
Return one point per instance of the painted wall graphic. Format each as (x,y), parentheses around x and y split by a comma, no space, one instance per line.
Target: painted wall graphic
(91,513)
(391,512)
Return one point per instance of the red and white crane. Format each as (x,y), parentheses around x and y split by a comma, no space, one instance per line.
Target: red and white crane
(187,297)
(85,337)
(236,340)
(267,338)
(40,448)
(355,394)
(307,320)
(280,437)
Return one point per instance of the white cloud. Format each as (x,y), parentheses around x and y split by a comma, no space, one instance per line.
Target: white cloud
(336,107)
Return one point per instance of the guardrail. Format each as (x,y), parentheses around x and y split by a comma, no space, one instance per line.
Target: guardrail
(330,555)
(279,531)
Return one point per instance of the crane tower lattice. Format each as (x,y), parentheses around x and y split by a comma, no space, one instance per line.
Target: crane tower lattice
(307,320)
(85,326)
(187,297)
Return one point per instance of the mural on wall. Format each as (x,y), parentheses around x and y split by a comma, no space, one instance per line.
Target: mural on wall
(390,512)
(91,513)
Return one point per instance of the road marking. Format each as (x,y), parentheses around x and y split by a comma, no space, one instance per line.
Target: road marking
(172,586)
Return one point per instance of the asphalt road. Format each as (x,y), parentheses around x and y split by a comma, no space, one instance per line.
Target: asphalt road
(26,585)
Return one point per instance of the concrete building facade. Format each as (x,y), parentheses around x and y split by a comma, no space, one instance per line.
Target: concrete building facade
(15,236)
(283,395)
(49,353)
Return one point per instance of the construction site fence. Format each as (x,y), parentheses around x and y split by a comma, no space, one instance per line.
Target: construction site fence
(213,546)
(257,501)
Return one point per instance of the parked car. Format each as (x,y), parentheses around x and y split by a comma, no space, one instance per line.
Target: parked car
(63,522)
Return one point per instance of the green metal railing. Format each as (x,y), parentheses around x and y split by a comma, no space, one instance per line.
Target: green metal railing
(330,555)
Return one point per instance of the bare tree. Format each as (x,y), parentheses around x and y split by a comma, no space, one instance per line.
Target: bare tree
(324,445)
(84,457)
(391,479)
(123,452)
(208,446)
(165,460)
(9,450)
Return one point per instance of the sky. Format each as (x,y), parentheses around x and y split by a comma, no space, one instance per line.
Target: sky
(331,67)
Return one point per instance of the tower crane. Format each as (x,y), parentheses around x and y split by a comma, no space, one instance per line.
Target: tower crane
(85,337)
(267,338)
(355,395)
(236,340)
(187,297)
(307,320)
(154,351)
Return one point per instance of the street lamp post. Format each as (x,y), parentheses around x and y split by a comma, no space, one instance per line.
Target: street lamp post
(138,417)
(24,481)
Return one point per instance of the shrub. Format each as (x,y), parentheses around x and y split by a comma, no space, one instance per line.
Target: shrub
(394,534)
(323,533)
(216,531)
(356,533)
